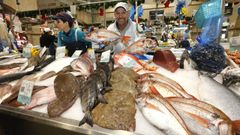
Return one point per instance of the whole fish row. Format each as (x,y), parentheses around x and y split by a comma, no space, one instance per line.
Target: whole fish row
(190,115)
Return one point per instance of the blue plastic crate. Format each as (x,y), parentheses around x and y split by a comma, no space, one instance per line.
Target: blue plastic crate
(208,10)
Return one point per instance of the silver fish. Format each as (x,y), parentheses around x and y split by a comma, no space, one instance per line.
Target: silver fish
(221,97)
(201,117)
(161,114)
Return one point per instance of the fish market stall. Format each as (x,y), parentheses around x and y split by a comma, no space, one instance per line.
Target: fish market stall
(196,85)
(69,120)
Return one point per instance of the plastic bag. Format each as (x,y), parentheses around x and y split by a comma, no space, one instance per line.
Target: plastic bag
(211,30)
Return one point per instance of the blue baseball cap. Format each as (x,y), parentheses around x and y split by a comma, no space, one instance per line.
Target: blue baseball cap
(65,17)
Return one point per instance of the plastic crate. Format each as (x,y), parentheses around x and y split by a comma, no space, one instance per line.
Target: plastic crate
(208,10)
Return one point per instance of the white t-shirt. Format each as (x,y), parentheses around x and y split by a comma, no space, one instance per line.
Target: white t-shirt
(130,30)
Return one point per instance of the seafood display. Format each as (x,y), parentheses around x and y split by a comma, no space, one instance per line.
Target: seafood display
(126,93)
(235,56)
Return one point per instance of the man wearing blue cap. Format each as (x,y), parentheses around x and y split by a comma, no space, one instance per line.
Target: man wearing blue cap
(68,36)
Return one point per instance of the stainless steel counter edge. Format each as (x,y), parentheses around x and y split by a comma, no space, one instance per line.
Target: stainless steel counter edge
(63,123)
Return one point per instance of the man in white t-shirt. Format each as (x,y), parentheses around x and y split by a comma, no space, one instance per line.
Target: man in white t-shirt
(123,25)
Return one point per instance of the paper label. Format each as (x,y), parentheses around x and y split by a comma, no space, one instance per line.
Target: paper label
(60,52)
(127,62)
(42,51)
(91,54)
(105,57)
(76,54)
(25,92)
(26,52)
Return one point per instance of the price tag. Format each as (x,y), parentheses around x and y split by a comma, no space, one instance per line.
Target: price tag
(42,51)
(76,54)
(60,52)
(25,92)
(91,54)
(26,52)
(105,57)
(127,62)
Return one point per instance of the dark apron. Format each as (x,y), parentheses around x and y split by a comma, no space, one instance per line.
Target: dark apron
(76,45)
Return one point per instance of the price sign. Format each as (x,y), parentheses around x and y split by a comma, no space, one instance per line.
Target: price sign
(25,92)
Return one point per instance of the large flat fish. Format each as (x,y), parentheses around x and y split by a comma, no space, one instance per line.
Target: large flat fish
(66,89)
(118,114)
(103,35)
(161,114)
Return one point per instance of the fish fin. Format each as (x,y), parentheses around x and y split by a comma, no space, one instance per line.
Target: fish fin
(236,126)
(101,99)
(87,119)
(125,39)
(201,121)
(152,107)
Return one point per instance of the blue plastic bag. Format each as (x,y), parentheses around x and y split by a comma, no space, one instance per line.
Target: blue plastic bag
(211,30)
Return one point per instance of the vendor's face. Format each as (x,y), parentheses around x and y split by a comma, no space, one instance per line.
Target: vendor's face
(60,24)
(121,15)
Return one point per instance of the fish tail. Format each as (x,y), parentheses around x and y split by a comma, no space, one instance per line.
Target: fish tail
(101,98)
(236,126)
(87,119)
(125,39)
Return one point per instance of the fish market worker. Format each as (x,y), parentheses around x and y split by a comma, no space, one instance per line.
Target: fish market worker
(68,36)
(124,26)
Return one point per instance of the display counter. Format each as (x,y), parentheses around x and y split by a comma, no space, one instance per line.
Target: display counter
(18,121)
